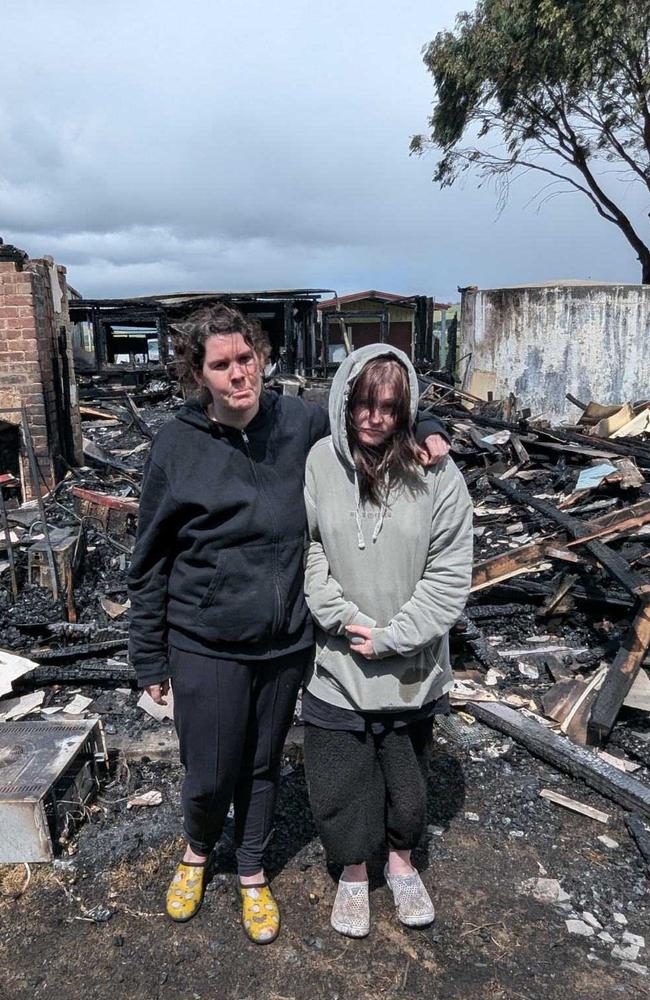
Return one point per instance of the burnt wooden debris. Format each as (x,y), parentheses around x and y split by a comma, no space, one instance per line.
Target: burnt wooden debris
(558,620)
(640,834)
(564,754)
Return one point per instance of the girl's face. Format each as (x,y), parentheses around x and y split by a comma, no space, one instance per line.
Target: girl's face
(375,422)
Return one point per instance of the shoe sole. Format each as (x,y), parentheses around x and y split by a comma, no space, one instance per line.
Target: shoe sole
(184,920)
(348,931)
(265,941)
(419,922)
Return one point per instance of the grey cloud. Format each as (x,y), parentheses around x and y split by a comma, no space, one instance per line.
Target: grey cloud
(153,148)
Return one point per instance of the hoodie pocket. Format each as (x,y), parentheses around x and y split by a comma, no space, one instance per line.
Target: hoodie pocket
(208,597)
(241,601)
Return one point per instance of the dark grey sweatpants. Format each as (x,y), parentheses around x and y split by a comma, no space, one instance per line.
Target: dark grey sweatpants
(367,790)
(232,718)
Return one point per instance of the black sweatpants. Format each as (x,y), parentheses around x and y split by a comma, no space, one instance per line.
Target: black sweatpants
(232,718)
(367,789)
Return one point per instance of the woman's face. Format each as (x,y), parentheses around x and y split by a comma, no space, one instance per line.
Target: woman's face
(374,424)
(231,372)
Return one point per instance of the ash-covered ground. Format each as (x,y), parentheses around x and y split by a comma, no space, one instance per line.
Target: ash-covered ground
(531,902)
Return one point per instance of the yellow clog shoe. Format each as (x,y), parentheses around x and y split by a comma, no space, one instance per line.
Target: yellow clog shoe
(185,893)
(260,913)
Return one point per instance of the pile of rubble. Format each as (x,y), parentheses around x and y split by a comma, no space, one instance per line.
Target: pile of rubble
(551,650)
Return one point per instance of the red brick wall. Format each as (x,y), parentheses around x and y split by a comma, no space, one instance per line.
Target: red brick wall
(28,337)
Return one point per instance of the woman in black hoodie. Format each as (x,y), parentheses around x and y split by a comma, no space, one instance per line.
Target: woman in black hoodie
(216,591)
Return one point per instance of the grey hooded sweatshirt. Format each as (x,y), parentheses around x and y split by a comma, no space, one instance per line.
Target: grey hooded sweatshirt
(402,569)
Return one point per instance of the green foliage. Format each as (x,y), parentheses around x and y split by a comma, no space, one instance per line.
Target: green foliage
(559,86)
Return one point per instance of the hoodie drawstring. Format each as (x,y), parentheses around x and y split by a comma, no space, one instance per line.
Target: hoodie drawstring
(380,520)
(361,542)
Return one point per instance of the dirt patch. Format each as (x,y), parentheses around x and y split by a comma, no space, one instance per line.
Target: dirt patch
(93,923)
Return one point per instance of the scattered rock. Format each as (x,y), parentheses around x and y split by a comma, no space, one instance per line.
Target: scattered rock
(628,954)
(608,841)
(579,927)
(472,817)
(314,942)
(544,890)
(606,937)
(620,918)
(641,970)
(590,919)
(99,914)
(636,939)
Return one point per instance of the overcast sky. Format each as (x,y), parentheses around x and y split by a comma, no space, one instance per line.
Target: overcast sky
(157,146)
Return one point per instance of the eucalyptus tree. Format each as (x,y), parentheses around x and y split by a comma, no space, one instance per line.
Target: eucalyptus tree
(561,87)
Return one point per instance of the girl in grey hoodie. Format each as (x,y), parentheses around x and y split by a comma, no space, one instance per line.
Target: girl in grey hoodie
(388,573)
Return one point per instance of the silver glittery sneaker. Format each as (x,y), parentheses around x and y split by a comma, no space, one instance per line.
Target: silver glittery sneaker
(351,910)
(414,906)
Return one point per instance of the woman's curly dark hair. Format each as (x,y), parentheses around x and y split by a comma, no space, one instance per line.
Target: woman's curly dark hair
(189,337)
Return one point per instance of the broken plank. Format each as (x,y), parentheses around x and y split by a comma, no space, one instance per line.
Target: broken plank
(558,600)
(158,744)
(507,565)
(620,678)
(567,756)
(616,566)
(106,500)
(639,694)
(136,416)
(574,805)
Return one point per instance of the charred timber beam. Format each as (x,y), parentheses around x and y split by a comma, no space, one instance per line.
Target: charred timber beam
(531,589)
(472,636)
(619,678)
(611,561)
(640,835)
(569,442)
(617,445)
(78,652)
(95,673)
(487,612)
(559,751)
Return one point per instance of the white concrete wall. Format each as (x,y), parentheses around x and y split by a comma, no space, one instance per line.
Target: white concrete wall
(541,342)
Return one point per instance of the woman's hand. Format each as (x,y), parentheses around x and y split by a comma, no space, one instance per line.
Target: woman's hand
(433,450)
(158,691)
(365,646)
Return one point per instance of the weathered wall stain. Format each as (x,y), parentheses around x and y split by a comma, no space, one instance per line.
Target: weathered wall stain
(543,341)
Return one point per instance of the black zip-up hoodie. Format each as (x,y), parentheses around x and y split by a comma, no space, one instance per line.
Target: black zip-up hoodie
(218,562)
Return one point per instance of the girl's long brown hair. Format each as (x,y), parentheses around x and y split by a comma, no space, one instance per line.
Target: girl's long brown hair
(397,458)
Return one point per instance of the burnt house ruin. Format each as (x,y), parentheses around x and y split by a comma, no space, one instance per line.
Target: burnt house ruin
(37,378)
(134,334)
